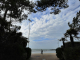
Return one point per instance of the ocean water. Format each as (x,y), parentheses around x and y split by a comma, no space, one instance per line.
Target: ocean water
(44,50)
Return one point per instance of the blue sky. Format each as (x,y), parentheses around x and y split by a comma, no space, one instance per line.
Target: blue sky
(46,29)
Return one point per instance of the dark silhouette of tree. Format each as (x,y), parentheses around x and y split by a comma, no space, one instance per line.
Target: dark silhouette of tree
(76,22)
(56,5)
(69,33)
(12,43)
(74,28)
(14,9)
(63,39)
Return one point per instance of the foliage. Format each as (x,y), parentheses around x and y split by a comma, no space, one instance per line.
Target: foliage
(28,50)
(63,39)
(11,52)
(59,53)
(76,22)
(14,12)
(12,43)
(74,28)
(69,53)
(68,44)
(72,53)
(16,6)
(42,5)
(13,46)
(71,31)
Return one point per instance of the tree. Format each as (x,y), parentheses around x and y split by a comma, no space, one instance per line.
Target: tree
(12,43)
(63,39)
(75,23)
(71,32)
(13,12)
(42,5)
(15,9)
(74,28)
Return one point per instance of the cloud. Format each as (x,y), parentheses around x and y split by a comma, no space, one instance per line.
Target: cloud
(46,29)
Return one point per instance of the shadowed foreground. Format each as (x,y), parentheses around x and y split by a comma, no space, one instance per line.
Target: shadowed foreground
(45,56)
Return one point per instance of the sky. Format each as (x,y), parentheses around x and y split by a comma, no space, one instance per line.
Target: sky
(46,28)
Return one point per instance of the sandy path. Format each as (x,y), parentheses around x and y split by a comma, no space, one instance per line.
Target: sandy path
(45,56)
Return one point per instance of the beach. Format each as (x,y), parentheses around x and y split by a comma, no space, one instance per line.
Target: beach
(44,56)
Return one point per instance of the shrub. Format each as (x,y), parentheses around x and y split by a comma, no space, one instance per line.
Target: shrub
(12,52)
(59,53)
(72,53)
(68,44)
(28,51)
(69,53)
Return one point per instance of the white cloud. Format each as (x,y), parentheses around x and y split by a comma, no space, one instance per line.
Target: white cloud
(53,29)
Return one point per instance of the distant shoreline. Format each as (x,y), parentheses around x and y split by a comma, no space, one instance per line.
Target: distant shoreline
(44,51)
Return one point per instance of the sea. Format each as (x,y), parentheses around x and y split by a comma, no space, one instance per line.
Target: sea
(44,51)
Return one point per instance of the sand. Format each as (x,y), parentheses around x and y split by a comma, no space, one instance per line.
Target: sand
(45,56)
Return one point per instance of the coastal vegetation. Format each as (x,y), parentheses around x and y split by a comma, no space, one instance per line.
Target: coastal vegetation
(70,50)
(13,44)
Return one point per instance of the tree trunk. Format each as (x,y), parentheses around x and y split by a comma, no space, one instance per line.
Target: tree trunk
(71,39)
(63,44)
(10,22)
(5,14)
